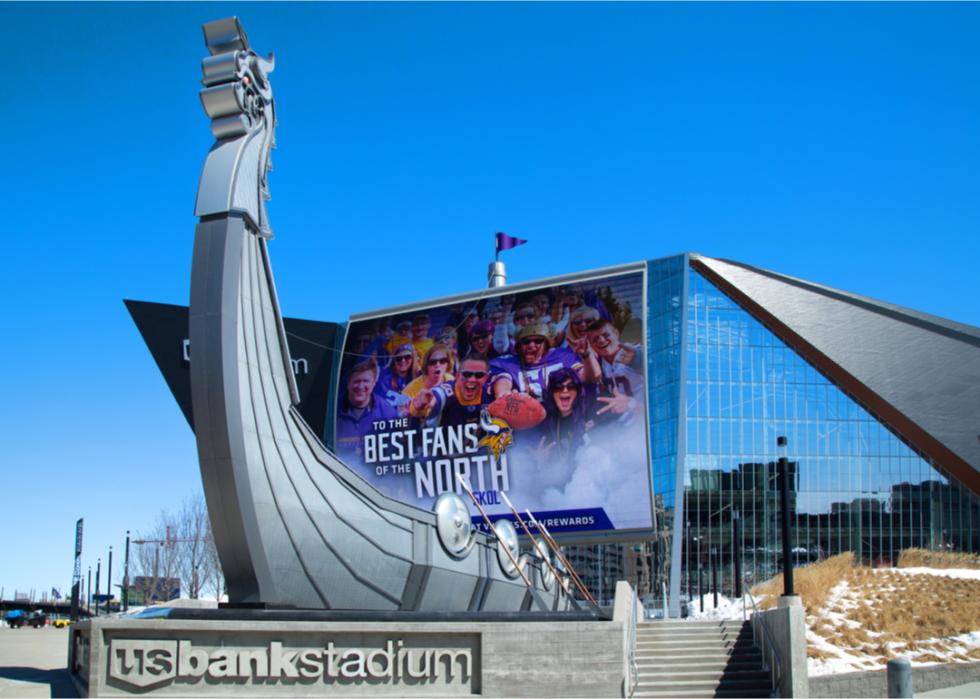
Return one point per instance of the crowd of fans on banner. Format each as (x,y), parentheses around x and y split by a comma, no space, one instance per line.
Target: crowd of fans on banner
(561,346)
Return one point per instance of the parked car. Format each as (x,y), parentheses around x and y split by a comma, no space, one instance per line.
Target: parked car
(18,617)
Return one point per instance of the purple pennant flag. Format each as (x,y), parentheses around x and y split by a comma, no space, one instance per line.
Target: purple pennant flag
(506,242)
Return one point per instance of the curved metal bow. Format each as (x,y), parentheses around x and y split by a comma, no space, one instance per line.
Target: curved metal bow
(237,97)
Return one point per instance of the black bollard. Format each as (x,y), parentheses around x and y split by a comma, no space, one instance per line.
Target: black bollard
(900,678)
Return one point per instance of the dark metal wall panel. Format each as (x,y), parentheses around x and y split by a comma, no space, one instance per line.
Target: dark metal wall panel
(311,348)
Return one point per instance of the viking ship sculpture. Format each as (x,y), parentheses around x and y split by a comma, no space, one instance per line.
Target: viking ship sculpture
(294,527)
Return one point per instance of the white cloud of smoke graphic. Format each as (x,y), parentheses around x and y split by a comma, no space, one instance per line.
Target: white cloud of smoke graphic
(610,472)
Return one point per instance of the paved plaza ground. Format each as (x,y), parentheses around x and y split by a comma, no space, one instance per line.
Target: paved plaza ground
(33,663)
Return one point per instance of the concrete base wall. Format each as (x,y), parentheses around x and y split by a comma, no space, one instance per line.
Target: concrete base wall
(787,632)
(114,657)
(875,683)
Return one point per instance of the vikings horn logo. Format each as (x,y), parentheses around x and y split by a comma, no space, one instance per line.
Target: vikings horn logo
(497,434)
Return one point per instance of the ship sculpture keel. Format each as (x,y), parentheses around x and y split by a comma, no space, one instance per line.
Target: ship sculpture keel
(294,527)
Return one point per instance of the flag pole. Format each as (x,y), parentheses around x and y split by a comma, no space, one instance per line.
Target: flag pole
(497,274)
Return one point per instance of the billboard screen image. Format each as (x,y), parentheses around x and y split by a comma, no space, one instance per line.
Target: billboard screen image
(539,394)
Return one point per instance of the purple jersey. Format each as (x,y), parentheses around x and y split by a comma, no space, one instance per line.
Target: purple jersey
(449,410)
(353,424)
(533,379)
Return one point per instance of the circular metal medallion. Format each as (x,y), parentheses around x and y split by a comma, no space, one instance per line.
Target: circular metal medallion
(507,537)
(456,533)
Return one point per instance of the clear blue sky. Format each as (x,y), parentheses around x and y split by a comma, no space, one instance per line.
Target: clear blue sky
(834,142)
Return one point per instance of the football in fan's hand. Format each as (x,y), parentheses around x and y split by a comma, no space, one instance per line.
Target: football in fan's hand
(519,410)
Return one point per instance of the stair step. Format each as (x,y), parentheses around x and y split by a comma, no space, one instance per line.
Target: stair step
(699,659)
(692,625)
(717,647)
(691,635)
(646,665)
(702,694)
(720,651)
(672,675)
(714,684)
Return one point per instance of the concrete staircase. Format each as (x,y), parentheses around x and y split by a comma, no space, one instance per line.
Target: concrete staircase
(698,659)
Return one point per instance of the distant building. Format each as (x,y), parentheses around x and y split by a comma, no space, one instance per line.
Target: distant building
(147,590)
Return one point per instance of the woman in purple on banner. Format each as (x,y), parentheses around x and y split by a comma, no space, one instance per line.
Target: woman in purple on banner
(567,402)
(360,408)
(396,376)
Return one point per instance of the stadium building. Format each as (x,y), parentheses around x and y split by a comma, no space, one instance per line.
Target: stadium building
(878,403)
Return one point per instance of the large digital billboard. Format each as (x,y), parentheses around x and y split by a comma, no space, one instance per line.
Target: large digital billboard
(539,393)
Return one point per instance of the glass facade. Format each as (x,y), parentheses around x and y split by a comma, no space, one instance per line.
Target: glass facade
(854,484)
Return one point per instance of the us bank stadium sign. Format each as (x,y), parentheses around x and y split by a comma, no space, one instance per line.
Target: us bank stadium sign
(398,663)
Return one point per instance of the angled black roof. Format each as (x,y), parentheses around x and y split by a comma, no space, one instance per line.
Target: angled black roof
(918,372)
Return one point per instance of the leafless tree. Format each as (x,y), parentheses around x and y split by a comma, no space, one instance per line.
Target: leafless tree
(212,575)
(179,551)
(155,561)
(192,531)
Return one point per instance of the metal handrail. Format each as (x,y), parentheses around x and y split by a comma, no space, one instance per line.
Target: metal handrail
(634,671)
(775,665)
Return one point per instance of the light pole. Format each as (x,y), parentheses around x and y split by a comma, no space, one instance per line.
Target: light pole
(714,575)
(108,584)
(125,590)
(784,506)
(737,551)
(98,584)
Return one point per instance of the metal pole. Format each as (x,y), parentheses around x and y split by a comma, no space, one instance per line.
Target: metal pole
(98,585)
(569,568)
(496,274)
(88,592)
(700,571)
(125,590)
(493,529)
(156,575)
(688,561)
(108,585)
(784,506)
(714,575)
(534,542)
(737,551)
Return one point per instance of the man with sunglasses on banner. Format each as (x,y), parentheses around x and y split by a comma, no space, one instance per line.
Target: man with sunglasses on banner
(481,340)
(455,402)
(528,369)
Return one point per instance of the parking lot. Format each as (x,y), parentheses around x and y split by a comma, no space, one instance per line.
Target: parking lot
(33,662)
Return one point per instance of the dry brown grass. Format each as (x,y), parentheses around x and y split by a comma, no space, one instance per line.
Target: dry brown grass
(889,607)
(813,652)
(921,558)
(813,582)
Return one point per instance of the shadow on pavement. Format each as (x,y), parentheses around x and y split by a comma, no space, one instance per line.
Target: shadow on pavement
(58,681)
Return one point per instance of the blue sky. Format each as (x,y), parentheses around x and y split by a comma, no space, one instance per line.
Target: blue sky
(834,142)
